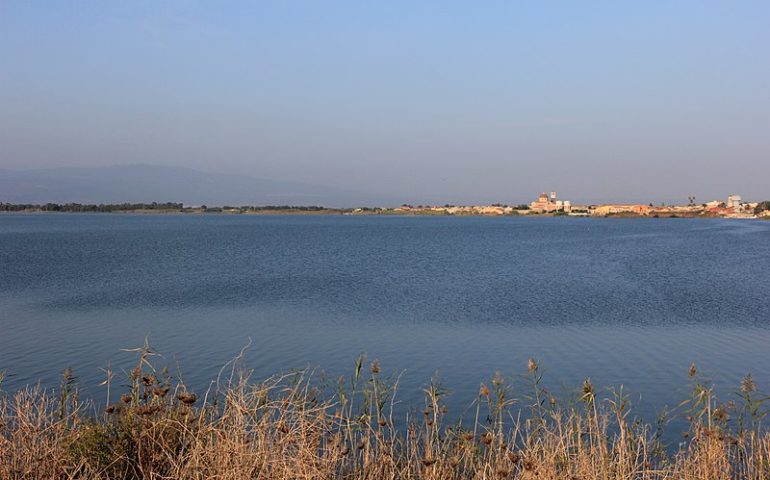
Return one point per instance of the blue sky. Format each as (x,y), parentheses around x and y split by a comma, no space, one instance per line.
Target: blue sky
(430,101)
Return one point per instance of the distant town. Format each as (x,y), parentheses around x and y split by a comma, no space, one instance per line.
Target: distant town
(547,204)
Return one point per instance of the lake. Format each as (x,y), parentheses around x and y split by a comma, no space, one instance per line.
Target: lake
(622,301)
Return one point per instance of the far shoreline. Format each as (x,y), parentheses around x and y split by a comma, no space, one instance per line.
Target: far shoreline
(379,213)
(545,207)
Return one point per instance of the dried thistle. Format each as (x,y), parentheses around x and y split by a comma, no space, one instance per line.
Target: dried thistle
(720,414)
(187,398)
(532,365)
(160,391)
(484,391)
(588,388)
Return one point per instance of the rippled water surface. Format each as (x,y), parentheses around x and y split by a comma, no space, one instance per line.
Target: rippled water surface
(623,301)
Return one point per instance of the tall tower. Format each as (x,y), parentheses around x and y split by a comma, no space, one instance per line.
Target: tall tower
(553,197)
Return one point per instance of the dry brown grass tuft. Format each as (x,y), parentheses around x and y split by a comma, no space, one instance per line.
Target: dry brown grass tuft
(286,428)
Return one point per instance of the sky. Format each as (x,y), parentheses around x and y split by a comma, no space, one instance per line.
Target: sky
(443,102)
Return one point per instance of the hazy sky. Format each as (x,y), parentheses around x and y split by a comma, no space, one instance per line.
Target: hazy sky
(431,101)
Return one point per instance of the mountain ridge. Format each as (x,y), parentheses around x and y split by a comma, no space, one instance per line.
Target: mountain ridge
(148,183)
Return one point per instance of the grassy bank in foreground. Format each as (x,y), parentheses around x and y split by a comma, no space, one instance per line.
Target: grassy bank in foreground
(292,426)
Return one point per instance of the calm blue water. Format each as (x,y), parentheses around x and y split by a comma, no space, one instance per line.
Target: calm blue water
(621,301)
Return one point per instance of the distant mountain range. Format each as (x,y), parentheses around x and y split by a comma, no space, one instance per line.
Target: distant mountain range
(150,183)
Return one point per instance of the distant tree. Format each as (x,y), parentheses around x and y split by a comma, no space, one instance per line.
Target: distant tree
(762,206)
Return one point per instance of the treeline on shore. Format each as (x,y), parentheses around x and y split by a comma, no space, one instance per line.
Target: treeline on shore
(154,206)
(298,425)
(79,207)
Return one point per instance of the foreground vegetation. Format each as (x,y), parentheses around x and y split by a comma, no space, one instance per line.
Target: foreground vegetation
(294,426)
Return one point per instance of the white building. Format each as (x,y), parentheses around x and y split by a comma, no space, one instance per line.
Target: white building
(734,201)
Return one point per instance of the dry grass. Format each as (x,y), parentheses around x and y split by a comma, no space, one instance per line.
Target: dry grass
(288,428)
